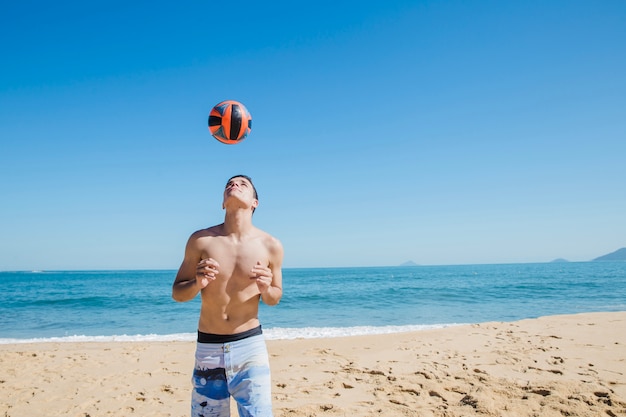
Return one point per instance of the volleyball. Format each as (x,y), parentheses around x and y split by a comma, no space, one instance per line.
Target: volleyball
(230,122)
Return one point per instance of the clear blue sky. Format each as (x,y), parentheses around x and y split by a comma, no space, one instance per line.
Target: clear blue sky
(443,132)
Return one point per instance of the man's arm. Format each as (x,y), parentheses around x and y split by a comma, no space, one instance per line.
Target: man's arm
(186,286)
(274,292)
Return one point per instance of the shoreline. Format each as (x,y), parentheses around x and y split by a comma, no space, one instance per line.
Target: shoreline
(274,333)
(548,366)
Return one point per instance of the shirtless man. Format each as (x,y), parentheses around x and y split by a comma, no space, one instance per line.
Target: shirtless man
(232,265)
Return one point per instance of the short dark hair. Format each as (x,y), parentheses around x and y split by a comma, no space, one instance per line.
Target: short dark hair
(256,195)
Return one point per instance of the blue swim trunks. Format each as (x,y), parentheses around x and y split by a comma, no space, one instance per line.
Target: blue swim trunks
(231,365)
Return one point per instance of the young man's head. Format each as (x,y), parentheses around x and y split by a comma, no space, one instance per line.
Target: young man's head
(244,182)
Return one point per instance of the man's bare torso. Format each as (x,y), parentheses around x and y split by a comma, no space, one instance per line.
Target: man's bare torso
(230,304)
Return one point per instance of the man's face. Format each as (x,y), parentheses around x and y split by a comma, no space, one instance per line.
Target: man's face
(241,189)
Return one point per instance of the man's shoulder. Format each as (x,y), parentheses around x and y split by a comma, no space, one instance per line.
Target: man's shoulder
(208,232)
(270,241)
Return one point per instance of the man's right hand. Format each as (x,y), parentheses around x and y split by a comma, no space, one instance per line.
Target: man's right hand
(206,271)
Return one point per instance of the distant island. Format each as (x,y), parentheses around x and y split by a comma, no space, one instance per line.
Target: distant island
(618,255)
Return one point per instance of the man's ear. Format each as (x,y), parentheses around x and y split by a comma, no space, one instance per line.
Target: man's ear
(255,203)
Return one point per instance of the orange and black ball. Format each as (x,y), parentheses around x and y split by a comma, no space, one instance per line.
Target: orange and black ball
(230,122)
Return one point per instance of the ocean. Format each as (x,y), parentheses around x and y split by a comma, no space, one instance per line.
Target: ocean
(317,302)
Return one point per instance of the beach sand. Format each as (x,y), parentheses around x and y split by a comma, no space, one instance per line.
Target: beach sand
(572,365)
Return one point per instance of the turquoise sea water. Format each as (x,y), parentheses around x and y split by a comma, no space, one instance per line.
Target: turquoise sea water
(317,302)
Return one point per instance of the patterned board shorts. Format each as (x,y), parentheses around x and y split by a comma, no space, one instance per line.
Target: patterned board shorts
(238,367)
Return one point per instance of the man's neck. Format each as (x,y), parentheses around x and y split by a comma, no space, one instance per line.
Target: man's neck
(237,222)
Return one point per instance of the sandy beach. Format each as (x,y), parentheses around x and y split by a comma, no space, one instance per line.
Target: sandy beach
(571,365)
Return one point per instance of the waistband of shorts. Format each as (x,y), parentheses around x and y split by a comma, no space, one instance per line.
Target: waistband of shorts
(227,338)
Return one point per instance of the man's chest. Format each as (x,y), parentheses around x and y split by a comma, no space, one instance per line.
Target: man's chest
(236,259)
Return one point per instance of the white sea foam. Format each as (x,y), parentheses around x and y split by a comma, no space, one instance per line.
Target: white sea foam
(183,337)
(276,333)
